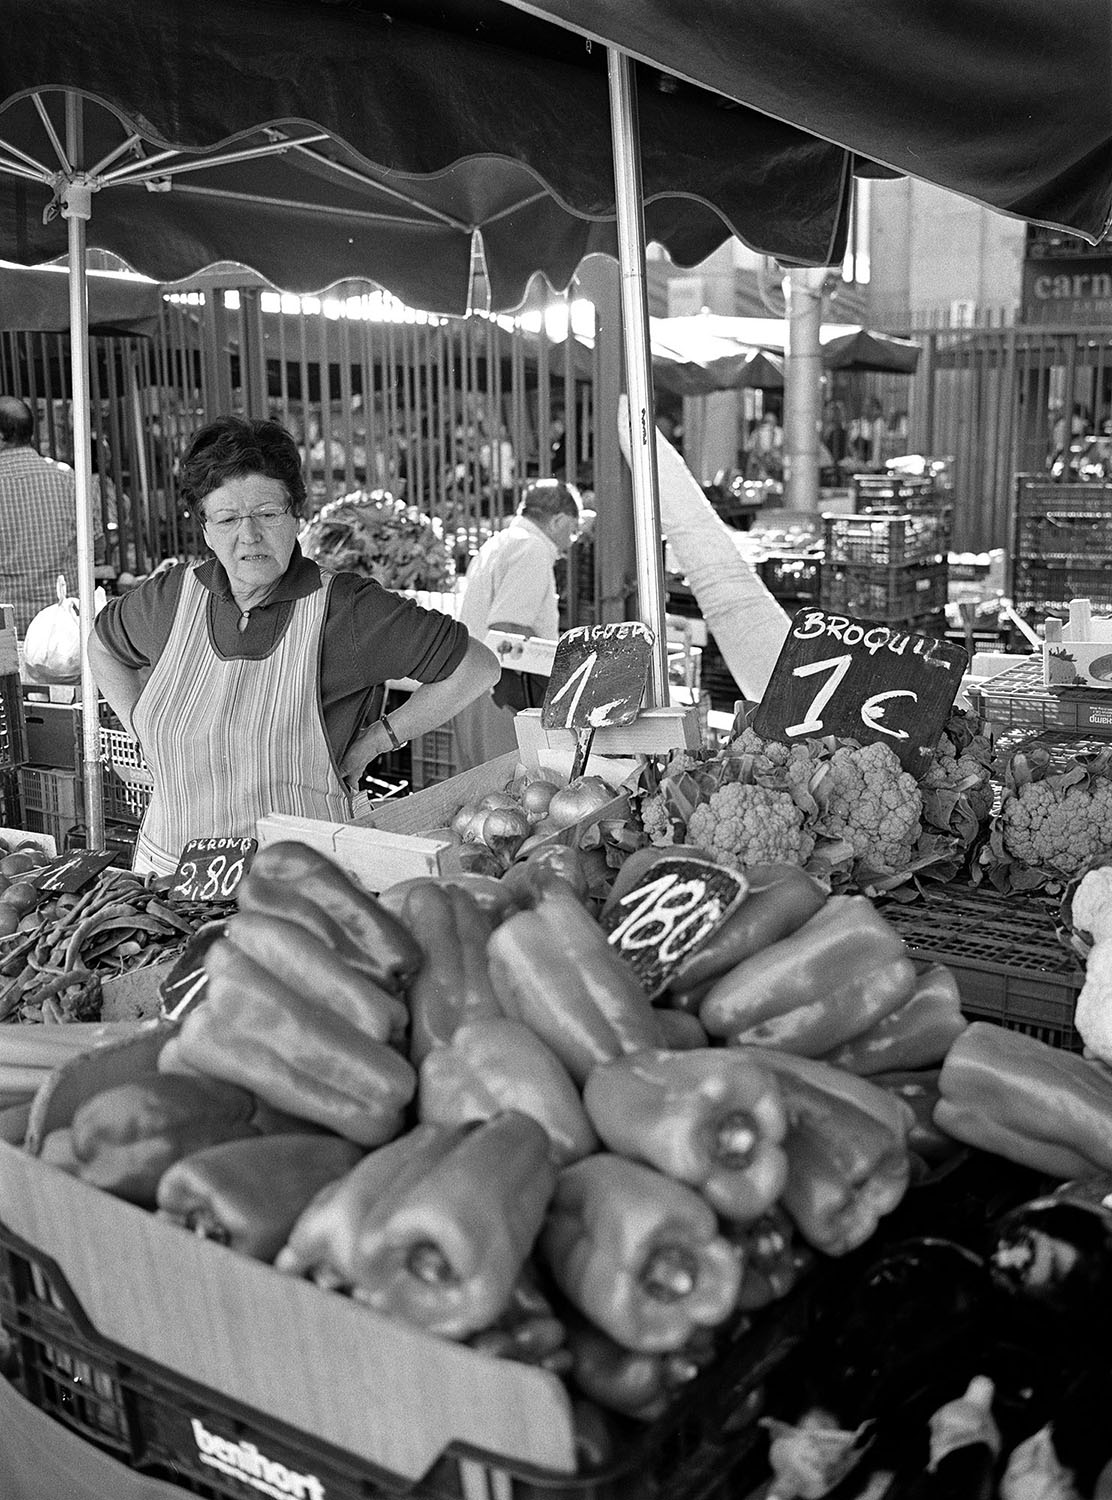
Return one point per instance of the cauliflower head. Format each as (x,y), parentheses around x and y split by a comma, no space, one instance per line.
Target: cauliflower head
(1058,827)
(656,820)
(746,824)
(1092,903)
(1093,1015)
(965,773)
(869,800)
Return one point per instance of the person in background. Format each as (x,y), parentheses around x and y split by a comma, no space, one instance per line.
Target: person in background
(253,682)
(510,586)
(764,449)
(38,518)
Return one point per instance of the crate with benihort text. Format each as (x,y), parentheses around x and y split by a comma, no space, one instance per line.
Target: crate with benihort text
(210,1370)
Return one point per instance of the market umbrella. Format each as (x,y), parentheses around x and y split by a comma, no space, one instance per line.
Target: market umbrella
(37,301)
(863,349)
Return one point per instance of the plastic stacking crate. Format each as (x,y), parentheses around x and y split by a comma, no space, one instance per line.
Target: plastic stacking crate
(13,733)
(880,541)
(709,1446)
(51,800)
(792,578)
(893,593)
(432,758)
(897,492)
(1018,698)
(1041,587)
(1010,966)
(1069,523)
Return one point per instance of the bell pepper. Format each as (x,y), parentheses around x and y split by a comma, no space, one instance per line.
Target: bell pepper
(552,968)
(771,1257)
(453,985)
(247,1193)
(848,1163)
(682,1030)
(917,1090)
(638,1253)
(1013,1095)
(435,1228)
(494,1065)
(528,1330)
(295,882)
(830,980)
(124,1138)
(308,966)
(917,1034)
(256,1031)
(637,1385)
(711,1118)
(781,897)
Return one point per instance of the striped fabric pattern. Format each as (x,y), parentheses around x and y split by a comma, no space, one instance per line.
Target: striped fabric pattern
(229,741)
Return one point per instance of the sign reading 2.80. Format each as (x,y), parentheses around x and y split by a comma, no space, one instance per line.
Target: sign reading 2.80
(862,681)
(677,906)
(211,869)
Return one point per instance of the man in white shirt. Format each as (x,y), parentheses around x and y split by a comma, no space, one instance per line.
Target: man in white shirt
(510,586)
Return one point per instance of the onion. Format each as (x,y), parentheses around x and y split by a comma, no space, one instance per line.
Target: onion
(497,799)
(584,795)
(468,821)
(536,797)
(504,830)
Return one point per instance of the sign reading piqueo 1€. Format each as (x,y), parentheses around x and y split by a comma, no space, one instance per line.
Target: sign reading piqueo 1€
(862,681)
(672,911)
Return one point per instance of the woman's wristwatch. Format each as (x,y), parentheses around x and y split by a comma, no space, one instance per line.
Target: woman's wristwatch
(390,735)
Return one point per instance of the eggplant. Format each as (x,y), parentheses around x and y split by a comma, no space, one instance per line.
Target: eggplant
(1052,1258)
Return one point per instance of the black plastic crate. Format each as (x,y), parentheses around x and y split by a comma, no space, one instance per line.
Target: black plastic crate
(893,593)
(709,1446)
(433,757)
(794,578)
(1010,967)
(13,731)
(883,540)
(1072,525)
(1043,587)
(887,489)
(1017,698)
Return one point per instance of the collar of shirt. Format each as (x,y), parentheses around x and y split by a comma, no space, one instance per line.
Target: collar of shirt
(301,578)
(523,523)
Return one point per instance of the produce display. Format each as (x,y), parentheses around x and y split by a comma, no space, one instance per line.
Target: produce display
(63,946)
(847,813)
(468,1115)
(372,534)
(456,1105)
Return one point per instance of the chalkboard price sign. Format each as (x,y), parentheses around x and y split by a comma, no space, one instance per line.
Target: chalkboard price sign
(673,911)
(73,872)
(210,869)
(186,985)
(862,681)
(598,676)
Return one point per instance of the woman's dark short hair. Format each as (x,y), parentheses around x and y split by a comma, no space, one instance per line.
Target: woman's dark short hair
(234,447)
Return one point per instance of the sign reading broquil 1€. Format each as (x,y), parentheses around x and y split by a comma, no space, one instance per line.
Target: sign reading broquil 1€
(673,910)
(863,681)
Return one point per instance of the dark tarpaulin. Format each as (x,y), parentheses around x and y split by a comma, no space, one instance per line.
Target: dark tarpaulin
(1008,102)
(37,301)
(478,119)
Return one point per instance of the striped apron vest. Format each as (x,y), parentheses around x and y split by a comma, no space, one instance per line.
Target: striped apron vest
(229,741)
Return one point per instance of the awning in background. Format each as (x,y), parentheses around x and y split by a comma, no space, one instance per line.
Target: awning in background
(37,301)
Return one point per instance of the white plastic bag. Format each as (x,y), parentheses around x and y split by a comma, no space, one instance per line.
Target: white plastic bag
(52,645)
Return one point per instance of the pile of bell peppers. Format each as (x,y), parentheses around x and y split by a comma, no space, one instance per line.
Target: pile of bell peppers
(467,1114)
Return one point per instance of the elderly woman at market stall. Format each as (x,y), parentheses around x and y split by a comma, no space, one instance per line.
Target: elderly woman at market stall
(254,682)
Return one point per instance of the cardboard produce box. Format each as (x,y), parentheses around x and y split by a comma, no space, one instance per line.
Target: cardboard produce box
(255,1356)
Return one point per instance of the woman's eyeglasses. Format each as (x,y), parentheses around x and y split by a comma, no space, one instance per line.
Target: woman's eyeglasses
(225,525)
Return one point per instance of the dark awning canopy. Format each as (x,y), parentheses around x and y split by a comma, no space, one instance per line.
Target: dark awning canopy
(37,301)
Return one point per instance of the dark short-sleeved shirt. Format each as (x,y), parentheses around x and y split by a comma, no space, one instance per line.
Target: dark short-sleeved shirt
(371,636)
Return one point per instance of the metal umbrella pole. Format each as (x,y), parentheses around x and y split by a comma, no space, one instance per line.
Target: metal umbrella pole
(76,196)
(638,366)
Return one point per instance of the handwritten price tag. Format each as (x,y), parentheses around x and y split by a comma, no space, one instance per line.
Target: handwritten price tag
(674,910)
(73,872)
(598,676)
(210,869)
(862,681)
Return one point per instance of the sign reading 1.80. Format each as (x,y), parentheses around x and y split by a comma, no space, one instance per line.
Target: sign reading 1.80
(864,681)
